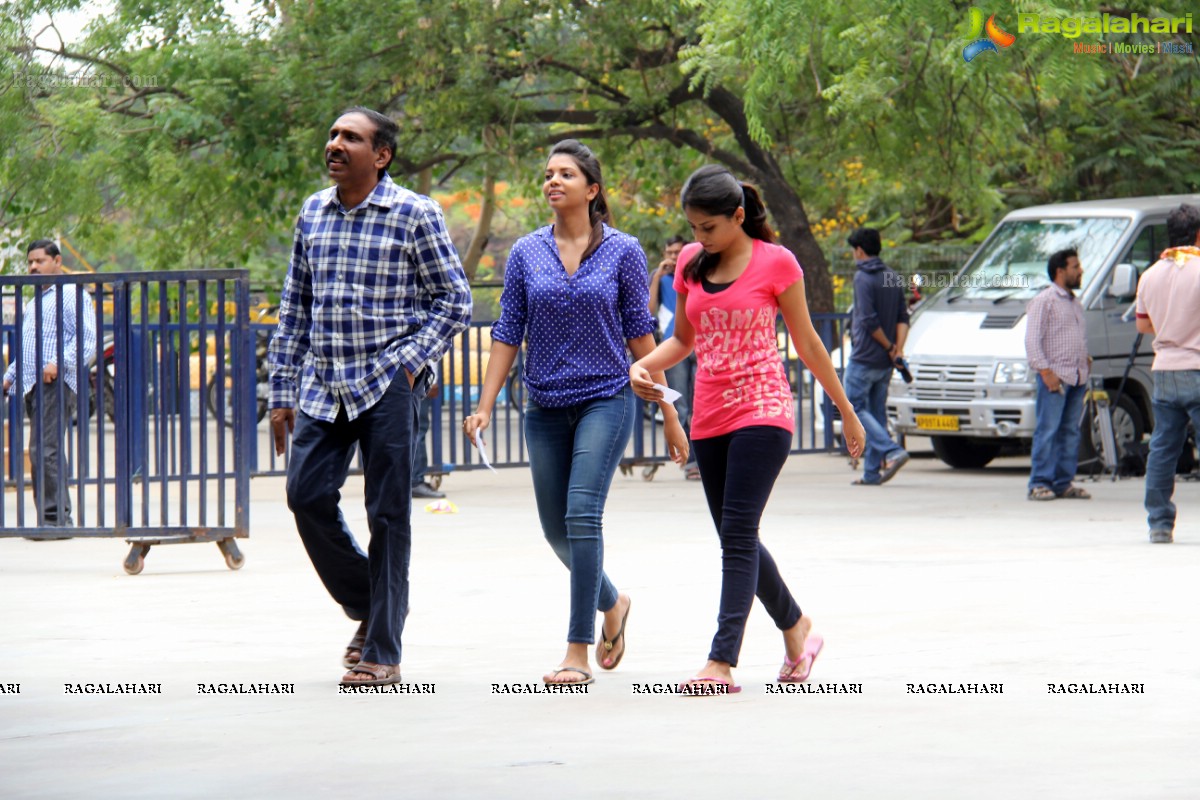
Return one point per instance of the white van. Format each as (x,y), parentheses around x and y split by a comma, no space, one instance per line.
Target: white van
(973,392)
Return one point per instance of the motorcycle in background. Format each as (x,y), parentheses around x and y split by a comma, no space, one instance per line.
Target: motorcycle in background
(223,411)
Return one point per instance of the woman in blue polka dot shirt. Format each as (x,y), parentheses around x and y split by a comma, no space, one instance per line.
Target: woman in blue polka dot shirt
(576,293)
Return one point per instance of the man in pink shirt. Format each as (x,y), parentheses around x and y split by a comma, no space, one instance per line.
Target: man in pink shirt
(1167,302)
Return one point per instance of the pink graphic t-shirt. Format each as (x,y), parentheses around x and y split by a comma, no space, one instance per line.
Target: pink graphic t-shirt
(740,379)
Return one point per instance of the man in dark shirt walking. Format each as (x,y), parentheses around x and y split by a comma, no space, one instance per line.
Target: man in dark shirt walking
(374,294)
(877,334)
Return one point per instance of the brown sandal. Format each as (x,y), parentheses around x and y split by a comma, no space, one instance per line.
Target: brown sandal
(605,646)
(584,681)
(381,674)
(354,649)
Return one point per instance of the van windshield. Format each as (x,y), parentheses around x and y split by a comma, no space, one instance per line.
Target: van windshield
(1012,264)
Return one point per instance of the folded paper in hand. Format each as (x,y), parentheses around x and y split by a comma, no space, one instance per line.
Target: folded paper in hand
(483,450)
(669,394)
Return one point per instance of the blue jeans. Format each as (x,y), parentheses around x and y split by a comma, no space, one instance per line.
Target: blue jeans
(1056,436)
(866,389)
(371,586)
(1176,400)
(738,470)
(573,453)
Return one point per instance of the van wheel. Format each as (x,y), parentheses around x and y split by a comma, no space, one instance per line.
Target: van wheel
(1128,428)
(963,452)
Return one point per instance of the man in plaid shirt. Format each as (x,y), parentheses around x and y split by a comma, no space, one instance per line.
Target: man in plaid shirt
(1056,345)
(374,294)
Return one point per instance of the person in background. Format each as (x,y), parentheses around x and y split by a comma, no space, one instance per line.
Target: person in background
(51,406)
(733,283)
(1168,306)
(421,488)
(575,292)
(877,334)
(915,298)
(682,376)
(1056,346)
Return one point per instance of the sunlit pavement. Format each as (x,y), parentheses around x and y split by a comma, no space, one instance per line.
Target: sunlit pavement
(943,580)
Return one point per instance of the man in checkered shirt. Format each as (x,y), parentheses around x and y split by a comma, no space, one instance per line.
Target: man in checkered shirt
(1056,345)
(374,294)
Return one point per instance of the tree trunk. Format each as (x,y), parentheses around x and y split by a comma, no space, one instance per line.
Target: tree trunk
(483,228)
(783,203)
(425,181)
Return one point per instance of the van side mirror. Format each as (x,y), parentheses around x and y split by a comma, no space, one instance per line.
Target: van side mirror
(1124,281)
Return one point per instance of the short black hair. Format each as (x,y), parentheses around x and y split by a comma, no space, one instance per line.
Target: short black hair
(386,131)
(867,239)
(675,240)
(44,244)
(1059,261)
(1182,226)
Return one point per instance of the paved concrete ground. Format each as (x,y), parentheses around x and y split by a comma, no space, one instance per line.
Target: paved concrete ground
(939,577)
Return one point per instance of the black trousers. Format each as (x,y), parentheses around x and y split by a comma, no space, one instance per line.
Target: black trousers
(47,432)
(738,471)
(371,586)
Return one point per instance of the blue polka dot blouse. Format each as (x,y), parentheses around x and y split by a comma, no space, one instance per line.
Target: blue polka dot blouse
(575,326)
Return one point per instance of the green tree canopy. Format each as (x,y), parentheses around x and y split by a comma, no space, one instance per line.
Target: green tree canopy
(187,137)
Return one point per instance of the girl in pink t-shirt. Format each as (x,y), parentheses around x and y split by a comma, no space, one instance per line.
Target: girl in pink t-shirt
(731,284)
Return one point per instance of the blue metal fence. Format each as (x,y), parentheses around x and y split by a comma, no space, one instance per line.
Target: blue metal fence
(461,374)
(172,421)
(144,457)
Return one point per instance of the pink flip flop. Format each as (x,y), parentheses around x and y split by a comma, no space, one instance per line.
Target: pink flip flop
(797,671)
(707,687)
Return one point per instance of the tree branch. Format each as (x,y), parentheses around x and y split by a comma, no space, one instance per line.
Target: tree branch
(612,93)
(680,137)
(126,79)
(409,167)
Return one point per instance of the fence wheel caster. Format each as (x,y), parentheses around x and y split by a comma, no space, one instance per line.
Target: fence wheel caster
(136,560)
(626,469)
(648,472)
(233,556)
(435,481)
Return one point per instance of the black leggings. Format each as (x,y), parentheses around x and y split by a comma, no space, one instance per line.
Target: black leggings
(738,471)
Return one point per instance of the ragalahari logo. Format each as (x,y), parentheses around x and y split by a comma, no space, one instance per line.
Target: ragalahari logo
(979,42)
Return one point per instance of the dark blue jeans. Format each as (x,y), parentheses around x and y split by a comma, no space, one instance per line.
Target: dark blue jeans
(573,453)
(738,471)
(1176,400)
(1056,436)
(371,586)
(866,389)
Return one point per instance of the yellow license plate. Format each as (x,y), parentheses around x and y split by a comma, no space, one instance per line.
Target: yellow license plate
(937,422)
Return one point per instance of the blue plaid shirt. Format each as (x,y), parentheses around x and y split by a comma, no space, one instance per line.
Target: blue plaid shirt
(31,366)
(369,291)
